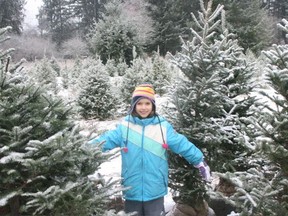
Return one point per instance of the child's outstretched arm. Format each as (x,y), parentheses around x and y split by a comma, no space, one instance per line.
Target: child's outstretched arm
(179,144)
(109,140)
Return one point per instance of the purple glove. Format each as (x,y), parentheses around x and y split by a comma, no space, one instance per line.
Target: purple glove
(204,170)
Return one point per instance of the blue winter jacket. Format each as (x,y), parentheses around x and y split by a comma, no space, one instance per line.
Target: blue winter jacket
(144,160)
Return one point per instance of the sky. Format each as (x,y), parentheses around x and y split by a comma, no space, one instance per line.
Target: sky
(31,10)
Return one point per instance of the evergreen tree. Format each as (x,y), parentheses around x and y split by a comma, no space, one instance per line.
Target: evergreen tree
(89,12)
(44,165)
(161,73)
(113,37)
(45,73)
(251,22)
(48,74)
(279,10)
(263,190)
(273,124)
(171,19)
(211,102)
(77,15)
(154,70)
(59,19)
(12,14)
(95,99)
(116,69)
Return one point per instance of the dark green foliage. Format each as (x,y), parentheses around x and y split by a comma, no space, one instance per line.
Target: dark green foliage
(11,14)
(89,12)
(171,19)
(112,38)
(279,10)
(250,22)
(26,113)
(247,19)
(60,184)
(276,117)
(185,182)
(272,121)
(44,163)
(57,18)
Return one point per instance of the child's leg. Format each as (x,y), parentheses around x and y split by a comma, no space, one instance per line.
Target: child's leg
(134,206)
(154,207)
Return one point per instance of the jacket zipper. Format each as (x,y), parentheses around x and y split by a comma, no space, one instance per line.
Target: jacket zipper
(142,158)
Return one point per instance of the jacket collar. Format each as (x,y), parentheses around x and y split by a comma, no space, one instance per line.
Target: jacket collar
(144,122)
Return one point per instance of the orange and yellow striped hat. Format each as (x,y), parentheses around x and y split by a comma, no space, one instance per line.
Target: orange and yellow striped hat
(143,91)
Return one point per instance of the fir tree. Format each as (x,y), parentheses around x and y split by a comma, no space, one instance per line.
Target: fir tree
(161,74)
(273,124)
(171,19)
(211,101)
(154,70)
(112,38)
(95,99)
(44,164)
(116,69)
(12,14)
(250,22)
(58,19)
(45,73)
(263,190)
(60,184)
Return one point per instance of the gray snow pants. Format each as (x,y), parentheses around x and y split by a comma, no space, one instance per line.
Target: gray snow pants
(149,208)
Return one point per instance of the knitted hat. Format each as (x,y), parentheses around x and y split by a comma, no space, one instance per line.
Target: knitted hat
(143,91)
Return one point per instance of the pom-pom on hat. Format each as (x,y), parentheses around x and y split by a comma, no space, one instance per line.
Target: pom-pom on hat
(143,91)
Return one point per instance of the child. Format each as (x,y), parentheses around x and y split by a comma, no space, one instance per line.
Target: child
(144,138)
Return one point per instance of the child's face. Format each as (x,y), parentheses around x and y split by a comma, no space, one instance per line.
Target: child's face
(144,107)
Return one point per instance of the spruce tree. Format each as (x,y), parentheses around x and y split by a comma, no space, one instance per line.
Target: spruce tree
(44,162)
(262,189)
(95,98)
(272,123)
(58,19)
(211,102)
(113,37)
(171,19)
(161,73)
(250,22)
(45,73)
(12,14)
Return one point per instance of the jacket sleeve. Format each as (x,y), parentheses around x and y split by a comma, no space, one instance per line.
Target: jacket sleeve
(179,144)
(110,139)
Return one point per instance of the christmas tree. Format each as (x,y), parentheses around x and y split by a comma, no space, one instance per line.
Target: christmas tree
(263,188)
(44,162)
(96,99)
(211,101)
